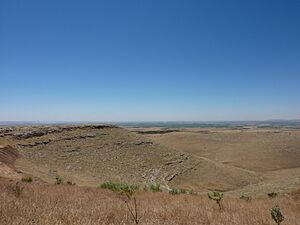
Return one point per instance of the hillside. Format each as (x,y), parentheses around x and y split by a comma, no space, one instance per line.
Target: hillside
(92,154)
(64,204)
(195,160)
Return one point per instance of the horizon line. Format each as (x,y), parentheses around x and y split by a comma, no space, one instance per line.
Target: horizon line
(143,121)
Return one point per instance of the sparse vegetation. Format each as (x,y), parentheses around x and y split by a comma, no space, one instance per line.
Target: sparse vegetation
(120,187)
(27,179)
(64,204)
(277,215)
(217,197)
(155,187)
(272,194)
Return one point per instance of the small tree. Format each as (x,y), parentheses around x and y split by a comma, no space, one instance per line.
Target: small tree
(277,215)
(217,197)
(128,191)
(134,212)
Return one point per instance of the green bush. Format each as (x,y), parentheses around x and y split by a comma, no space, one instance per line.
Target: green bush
(155,187)
(27,179)
(120,187)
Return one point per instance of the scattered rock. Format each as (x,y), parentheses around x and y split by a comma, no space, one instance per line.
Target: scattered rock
(143,143)
(35,143)
(172,177)
(41,131)
(77,137)
(5,131)
(157,131)
(29,134)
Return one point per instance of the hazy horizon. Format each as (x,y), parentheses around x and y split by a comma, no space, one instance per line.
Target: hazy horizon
(149,60)
(146,121)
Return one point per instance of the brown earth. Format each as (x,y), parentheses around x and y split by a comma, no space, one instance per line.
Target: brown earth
(237,161)
(255,161)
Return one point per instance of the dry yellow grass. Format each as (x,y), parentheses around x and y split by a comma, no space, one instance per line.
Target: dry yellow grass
(255,161)
(63,204)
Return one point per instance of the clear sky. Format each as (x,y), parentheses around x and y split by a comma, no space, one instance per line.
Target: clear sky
(149,60)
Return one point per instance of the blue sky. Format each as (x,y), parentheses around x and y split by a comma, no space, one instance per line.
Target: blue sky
(149,60)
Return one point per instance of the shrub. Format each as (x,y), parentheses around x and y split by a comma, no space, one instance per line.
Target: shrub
(155,187)
(58,180)
(27,179)
(277,215)
(217,197)
(272,194)
(121,188)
